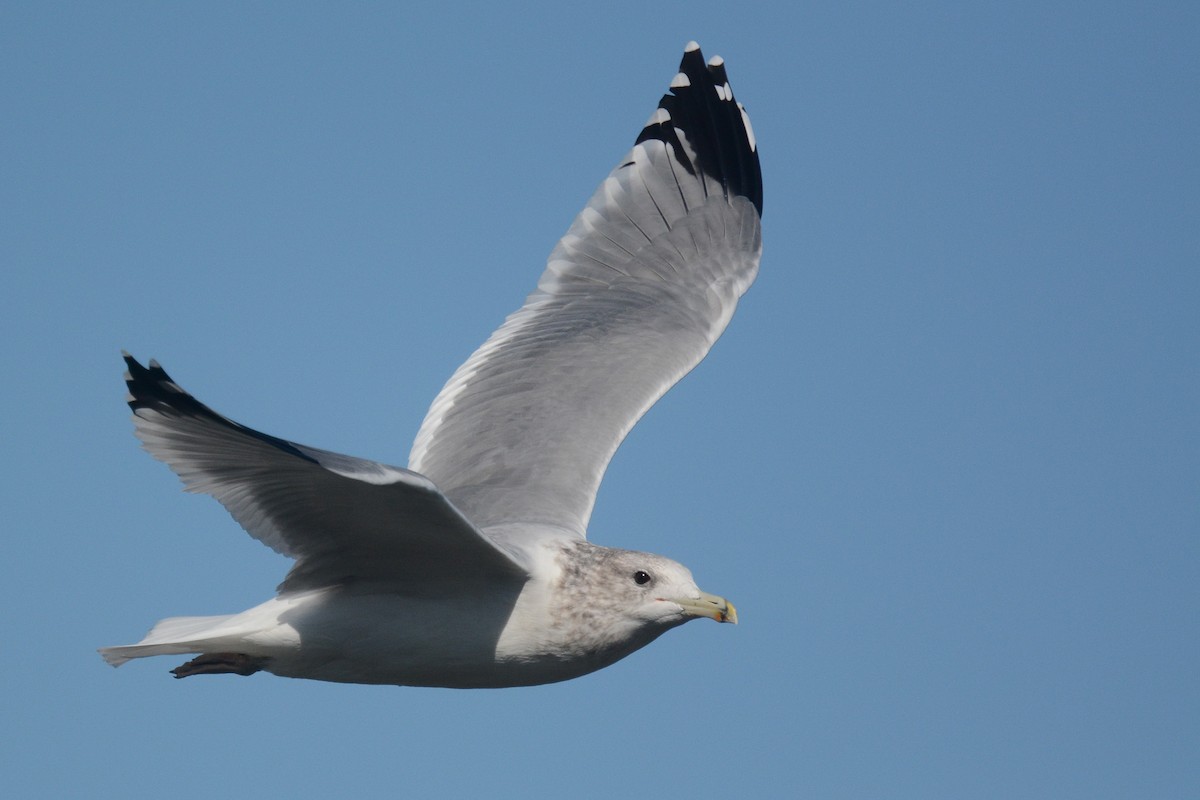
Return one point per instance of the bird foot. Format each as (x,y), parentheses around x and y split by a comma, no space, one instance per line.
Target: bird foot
(220,663)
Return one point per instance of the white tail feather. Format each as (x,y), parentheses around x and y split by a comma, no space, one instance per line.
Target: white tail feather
(171,636)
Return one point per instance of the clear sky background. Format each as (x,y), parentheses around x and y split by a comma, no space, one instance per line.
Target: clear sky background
(946,460)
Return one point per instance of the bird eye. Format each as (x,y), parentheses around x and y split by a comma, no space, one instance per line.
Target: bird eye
(641,578)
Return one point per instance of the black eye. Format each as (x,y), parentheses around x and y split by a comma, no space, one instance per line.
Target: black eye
(641,578)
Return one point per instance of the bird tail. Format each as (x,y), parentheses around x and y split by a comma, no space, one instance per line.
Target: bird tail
(171,636)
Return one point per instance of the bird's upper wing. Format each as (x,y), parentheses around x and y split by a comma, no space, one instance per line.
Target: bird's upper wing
(341,518)
(633,297)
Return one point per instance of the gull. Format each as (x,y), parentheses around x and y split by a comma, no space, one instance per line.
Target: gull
(471,568)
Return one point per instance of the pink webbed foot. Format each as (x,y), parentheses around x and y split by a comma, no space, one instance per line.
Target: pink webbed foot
(220,663)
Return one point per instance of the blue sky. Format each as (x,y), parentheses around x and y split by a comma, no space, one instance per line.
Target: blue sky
(946,460)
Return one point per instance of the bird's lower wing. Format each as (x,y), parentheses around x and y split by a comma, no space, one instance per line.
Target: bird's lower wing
(343,519)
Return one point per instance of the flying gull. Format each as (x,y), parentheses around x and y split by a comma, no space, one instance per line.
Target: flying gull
(471,567)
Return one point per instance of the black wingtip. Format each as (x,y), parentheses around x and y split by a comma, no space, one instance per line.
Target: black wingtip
(701,105)
(151,387)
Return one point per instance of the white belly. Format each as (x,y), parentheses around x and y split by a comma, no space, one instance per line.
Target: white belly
(388,638)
